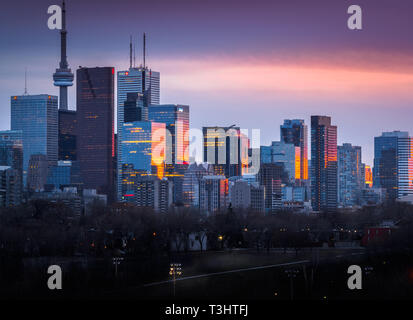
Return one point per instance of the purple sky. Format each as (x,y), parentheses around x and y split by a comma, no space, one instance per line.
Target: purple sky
(250,63)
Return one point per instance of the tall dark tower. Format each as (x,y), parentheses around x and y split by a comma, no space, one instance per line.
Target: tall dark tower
(63,77)
(323,164)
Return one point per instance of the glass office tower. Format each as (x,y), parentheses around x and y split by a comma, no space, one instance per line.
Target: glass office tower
(95,120)
(143,148)
(393,164)
(37,117)
(134,80)
(176,119)
(295,131)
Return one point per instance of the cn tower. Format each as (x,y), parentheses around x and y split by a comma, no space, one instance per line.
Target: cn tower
(63,77)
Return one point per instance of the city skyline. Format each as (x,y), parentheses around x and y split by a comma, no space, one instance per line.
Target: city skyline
(357,71)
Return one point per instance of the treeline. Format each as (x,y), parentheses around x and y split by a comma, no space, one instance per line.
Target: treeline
(41,229)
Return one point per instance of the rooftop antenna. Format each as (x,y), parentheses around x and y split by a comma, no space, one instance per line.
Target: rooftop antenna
(144,50)
(25,81)
(134,56)
(130,53)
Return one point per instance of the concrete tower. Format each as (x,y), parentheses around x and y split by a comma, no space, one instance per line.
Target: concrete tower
(63,77)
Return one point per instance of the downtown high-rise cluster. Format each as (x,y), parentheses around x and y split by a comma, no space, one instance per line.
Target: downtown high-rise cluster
(58,154)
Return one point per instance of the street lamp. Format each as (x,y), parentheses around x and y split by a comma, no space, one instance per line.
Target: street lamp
(175,270)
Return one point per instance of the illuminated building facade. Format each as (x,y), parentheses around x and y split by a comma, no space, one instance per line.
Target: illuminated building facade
(368,176)
(224,150)
(37,117)
(95,120)
(284,153)
(176,119)
(350,175)
(323,164)
(295,132)
(143,153)
(145,84)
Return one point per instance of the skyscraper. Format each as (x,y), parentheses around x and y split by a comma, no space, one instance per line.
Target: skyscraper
(36,116)
(393,164)
(176,119)
(323,164)
(11,159)
(224,150)
(67,135)
(350,175)
(11,148)
(95,120)
(272,176)
(63,77)
(213,193)
(145,84)
(143,147)
(284,153)
(191,181)
(295,132)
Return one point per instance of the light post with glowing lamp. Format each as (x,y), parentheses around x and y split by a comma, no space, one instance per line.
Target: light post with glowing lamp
(175,269)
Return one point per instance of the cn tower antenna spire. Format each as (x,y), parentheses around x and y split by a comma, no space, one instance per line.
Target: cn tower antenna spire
(63,77)
(144,50)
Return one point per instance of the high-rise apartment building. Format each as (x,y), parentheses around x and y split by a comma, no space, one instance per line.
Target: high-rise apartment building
(351,175)
(213,193)
(323,164)
(272,176)
(11,159)
(393,164)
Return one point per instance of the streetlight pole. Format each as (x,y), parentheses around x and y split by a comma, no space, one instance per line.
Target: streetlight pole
(175,269)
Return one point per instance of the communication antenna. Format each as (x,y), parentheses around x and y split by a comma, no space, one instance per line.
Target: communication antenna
(144,50)
(130,52)
(134,56)
(25,81)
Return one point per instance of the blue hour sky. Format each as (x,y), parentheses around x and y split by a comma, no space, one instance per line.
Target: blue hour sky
(250,63)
